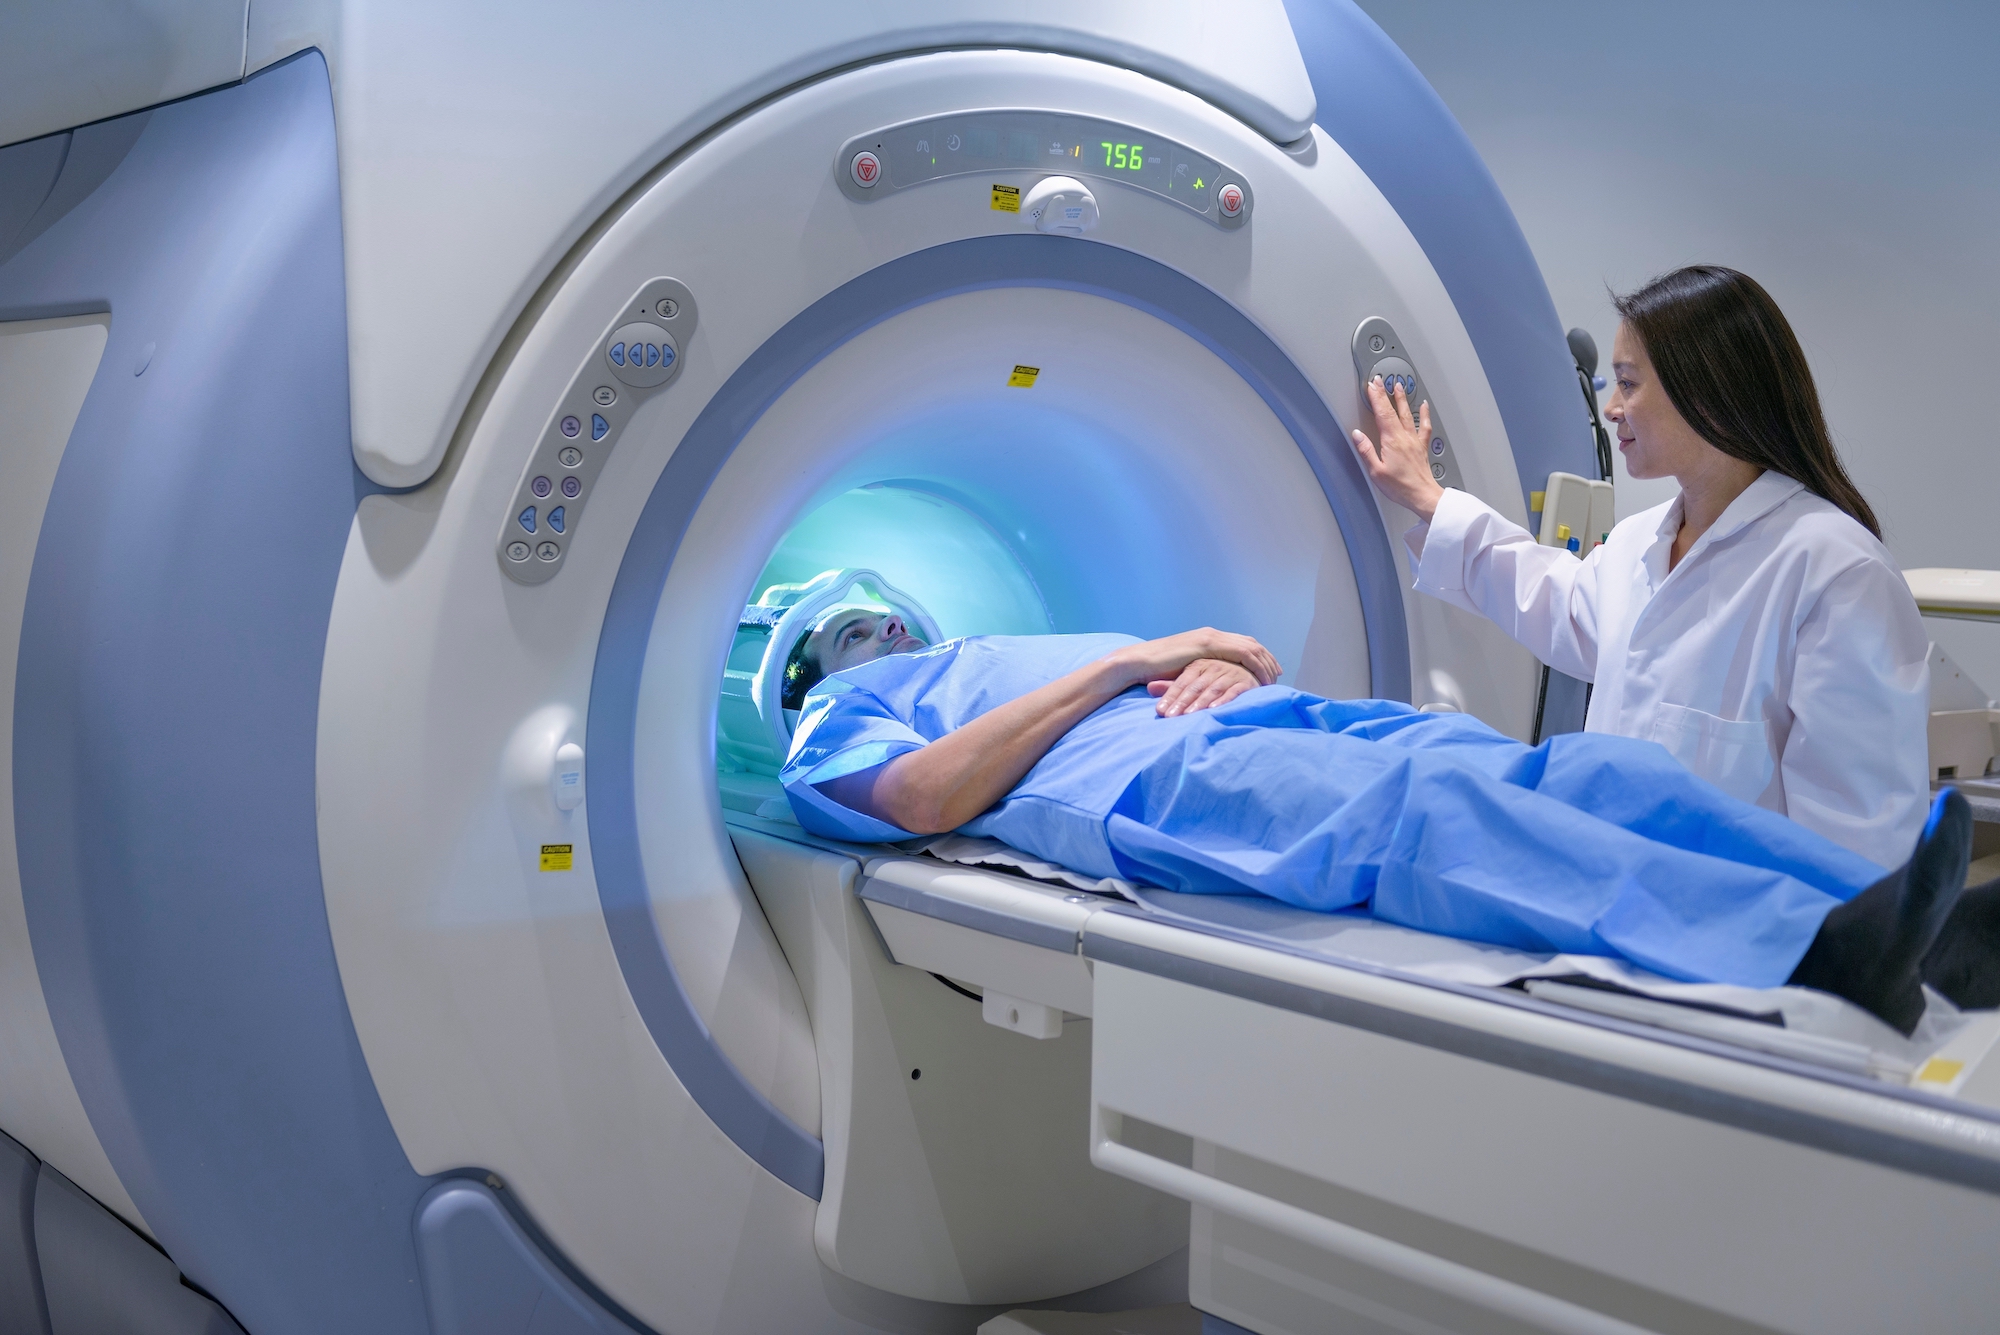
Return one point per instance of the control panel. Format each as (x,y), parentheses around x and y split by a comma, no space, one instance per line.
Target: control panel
(639,356)
(875,166)
(1377,351)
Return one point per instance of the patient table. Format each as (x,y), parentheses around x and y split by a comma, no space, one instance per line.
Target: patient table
(1367,1147)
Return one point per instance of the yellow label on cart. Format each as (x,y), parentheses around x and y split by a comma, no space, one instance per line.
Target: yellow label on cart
(1023,377)
(1007,198)
(1939,1071)
(558,857)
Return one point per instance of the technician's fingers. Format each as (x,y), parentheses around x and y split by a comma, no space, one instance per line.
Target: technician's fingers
(1384,405)
(1403,418)
(1395,428)
(1371,458)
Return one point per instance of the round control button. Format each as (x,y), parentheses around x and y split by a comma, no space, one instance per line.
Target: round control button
(667,308)
(570,426)
(1437,445)
(517,551)
(866,169)
(541,487)
(1376,344)
(571,487)
(548,551)
(1230,200)
(1437,471)
(605,396)
(641,355)
(571,456)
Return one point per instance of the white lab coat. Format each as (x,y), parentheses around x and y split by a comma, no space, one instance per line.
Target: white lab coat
(1783,659)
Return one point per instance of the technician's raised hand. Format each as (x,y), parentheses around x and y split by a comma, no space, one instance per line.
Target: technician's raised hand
(1203,684)
(1401,469)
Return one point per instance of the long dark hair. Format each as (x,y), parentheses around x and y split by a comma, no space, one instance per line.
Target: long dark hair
(1729,361)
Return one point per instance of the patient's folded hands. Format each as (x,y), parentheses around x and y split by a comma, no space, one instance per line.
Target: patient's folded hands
(1166,658)
(1202,684)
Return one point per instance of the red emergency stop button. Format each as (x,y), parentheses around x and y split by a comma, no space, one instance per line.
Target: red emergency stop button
(866,169)
(1230,200)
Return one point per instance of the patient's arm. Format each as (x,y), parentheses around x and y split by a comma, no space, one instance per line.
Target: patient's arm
(952,780)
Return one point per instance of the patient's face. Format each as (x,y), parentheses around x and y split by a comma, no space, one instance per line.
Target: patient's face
(856,637)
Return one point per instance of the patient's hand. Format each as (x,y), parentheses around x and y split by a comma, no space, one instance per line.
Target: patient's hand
(1165,659)
(1202,684)
(945,784)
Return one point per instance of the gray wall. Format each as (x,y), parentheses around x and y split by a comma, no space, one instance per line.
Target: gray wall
(1847,156)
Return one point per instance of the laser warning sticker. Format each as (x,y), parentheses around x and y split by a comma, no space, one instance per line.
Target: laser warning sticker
(1007,198)
(558,857)
(1023,377)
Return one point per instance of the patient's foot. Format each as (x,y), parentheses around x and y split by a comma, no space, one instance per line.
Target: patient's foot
(1964,964)
(1871,950)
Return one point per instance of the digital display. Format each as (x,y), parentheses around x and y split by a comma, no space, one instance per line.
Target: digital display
(997,141)
(1124,157)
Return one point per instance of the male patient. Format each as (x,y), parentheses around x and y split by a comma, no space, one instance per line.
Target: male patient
(1178,763)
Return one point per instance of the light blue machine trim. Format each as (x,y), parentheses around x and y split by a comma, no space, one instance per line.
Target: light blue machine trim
(790,1153)
(166,711)
(484,1272)
(1379,109)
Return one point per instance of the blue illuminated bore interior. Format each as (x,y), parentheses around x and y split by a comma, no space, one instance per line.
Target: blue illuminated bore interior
(1141,487)
(919,537)
(933,548)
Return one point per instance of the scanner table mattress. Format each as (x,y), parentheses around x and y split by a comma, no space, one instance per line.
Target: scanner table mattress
(1792,1022)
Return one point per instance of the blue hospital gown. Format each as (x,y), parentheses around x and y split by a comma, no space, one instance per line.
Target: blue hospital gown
(1588,844)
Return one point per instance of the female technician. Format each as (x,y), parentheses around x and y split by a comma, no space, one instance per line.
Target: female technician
(1754,625)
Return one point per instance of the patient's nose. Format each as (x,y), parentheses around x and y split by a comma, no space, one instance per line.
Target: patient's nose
(891,627)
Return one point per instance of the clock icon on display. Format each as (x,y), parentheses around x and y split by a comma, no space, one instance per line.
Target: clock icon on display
(951,142)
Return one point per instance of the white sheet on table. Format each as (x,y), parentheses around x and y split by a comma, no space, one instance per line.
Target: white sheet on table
(1366,940)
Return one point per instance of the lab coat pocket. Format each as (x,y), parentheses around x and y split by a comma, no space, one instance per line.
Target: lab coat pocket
(1734,755)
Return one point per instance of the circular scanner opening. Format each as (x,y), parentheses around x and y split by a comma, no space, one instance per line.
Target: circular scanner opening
(1138,486)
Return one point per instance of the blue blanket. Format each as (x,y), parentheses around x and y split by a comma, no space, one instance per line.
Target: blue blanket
(1589,843)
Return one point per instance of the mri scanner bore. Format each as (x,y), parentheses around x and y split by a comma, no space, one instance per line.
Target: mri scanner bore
(403,923)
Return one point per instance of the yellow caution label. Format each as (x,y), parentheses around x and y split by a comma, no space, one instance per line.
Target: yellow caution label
(1023,377)
(558,857)
(1939,1071)
(1536,499)
(1007,198)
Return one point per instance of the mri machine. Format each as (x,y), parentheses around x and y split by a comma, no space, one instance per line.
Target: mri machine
(408,411)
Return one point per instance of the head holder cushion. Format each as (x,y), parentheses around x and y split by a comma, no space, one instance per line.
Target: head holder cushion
(803,607)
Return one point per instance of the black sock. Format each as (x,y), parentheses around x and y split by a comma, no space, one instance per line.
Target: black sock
(1965,962)
(1871,949)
